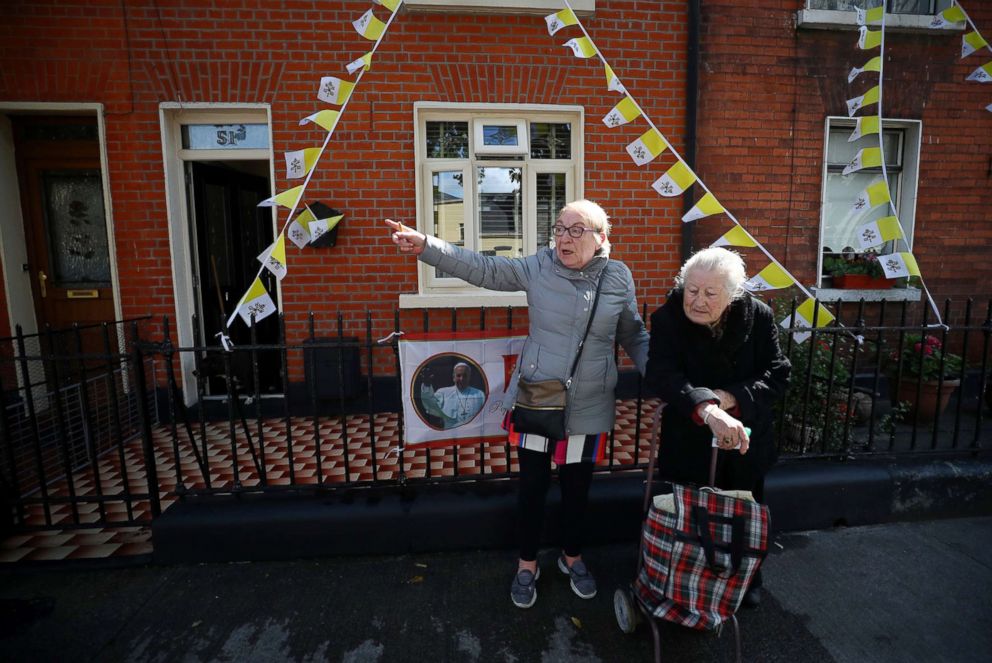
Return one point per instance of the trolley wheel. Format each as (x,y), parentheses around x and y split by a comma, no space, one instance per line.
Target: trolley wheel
(625,610)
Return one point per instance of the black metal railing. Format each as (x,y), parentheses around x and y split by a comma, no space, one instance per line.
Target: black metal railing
(105,432)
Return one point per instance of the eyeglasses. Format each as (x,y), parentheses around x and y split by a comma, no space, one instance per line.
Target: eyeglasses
(575,231)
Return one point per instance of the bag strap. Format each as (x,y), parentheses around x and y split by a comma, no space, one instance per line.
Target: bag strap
(592,315)
(702,518)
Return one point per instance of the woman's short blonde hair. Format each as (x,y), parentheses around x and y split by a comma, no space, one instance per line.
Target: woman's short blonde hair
(717,259)
(594,216)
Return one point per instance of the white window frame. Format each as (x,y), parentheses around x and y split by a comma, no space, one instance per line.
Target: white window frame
(479,125)
(839,19)
(436,292)
(909,152)
(581,7)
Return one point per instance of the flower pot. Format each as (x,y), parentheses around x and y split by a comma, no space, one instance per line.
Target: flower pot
(929,405)
(862,282)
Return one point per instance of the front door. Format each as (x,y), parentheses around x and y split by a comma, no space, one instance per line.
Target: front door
(231,231)
(65,223)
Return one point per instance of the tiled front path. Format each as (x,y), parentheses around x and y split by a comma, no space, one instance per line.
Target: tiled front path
(55,543)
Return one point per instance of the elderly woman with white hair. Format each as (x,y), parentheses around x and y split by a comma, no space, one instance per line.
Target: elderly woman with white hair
(715,360)
(567,320)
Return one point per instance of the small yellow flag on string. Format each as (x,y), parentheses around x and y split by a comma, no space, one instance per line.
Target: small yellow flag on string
(274,257)
(971,42)
(874,64)
(736,236)
(301,162)
(582,47)
(559,20)
(867,99)
(676,179)
(948,17)
(613,83)
(805,313)
(622,113)
(364,62)
(647,147)
(706,206)
(299,228)
(369,26)
(772,277)
(287,198)
(256,302)
(391,5)
(896,265)
(334,90)
(866,125)
(325,118)
(879,231)
(983,74)
(869,39)
(874,195)
(868,157)
(870,16)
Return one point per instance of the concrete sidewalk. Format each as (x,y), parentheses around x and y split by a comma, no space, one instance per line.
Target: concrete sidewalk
(896,592)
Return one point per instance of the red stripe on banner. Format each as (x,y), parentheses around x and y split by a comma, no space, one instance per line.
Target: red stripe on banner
(462,335)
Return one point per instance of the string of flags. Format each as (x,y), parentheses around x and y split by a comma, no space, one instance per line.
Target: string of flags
(679,176)
(308,226)
(971,42)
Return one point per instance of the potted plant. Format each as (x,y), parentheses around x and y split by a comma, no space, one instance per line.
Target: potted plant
(928,369)
(857,270)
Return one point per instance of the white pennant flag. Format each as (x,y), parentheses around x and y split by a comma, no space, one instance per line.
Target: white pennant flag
(256,302)
(971,42)
(983,74)
(322,226)
(558,21)
(613,83)
(896,265)
(868,157)
(334,90)
(274,258)
(879,231)
(874,195)
(301,162)
(622,113)
(299,230)
(647,147)
(676,179)
(364,62)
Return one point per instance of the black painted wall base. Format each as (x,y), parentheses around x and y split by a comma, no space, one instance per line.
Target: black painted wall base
(801,495)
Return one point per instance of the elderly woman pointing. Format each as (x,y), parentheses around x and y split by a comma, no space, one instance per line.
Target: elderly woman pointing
(716,361)
(579,302)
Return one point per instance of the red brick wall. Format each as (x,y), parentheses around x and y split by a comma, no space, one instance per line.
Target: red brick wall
(765,90)
(244,52)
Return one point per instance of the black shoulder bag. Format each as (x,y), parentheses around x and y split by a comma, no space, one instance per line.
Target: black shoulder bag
(540,405)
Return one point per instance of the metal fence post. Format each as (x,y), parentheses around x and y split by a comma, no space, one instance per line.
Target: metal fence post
(144,422)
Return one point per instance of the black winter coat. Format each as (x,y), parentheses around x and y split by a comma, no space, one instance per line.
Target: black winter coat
(686,363)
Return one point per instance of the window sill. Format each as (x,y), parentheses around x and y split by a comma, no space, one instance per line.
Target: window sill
(581,7)
(831,19)
(852,295)
(480,299)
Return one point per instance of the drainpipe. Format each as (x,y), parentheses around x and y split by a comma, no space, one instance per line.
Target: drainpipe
(691,104)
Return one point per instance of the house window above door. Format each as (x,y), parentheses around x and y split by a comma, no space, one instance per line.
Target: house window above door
(902,15)
(491,178)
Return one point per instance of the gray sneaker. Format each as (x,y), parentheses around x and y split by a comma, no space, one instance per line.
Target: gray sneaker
(583,584)
(523,591)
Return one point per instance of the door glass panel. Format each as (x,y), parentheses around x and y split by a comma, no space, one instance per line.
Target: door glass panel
(550,192)
(448,208)
(77,228)
(500,211)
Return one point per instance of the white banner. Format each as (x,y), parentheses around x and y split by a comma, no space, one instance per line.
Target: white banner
(453,386)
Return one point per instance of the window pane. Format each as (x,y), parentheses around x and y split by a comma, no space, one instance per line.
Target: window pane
(225,136)
(500,210)
(447,140)
(894,6)
(500,134)
(839,224)
(550,141)
(550,199)
(448,209)
(77,228)
(840,152)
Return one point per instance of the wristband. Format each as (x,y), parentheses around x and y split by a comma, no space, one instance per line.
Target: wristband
(706,415)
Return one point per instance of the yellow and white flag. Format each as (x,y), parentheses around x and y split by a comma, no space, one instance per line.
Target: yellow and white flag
(299,229)
(868,157)
(870,16)
(288,198)
(647,147)
(875,64)
(582,47)
(866,125)
(896,265)
(274,258)
(706,206)
(301,162)
(869,39)
(558,21)
(873,196)
(369,26)
(364,62)
(676,179)
(983,74)
(948,18)
(867,99)
(804,319)
(989,108)
(256,302)
(622,113)
(772,277)
(391,5)
(613,83)
(321,226)
(325,118)
(879,231)
(971,42)
(736,236)
(334,90)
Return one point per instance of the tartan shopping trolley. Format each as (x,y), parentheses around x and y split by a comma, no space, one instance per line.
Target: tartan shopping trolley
(699,550)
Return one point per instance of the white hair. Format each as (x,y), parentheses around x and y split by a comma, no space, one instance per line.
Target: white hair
(460,364)
(717,259)
(595,217)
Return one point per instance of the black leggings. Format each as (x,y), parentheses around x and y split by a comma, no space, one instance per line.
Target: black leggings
(535,478)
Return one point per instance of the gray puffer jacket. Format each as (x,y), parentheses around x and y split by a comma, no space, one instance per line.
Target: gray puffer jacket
(559,301)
